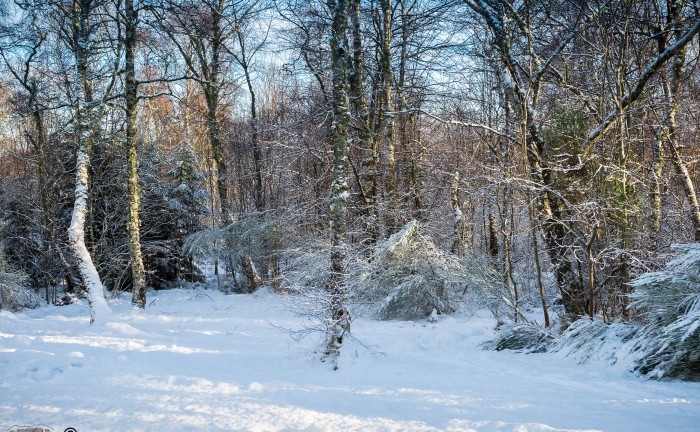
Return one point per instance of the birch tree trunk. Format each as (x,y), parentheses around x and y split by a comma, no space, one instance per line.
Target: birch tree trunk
(337,284)
(138,274)
(99,310)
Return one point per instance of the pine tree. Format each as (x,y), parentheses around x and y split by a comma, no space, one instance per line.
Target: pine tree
(186,198)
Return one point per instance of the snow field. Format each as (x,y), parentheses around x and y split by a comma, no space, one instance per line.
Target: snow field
(200,360)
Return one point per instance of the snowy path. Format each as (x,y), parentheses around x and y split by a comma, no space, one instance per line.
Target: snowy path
(214,362)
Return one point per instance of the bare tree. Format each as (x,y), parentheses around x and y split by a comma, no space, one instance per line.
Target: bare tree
(138,274)
(88,116)
(337,285)
(524,86)
(201,32)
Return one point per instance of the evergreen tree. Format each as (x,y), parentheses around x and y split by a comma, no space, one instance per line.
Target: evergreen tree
(186,200)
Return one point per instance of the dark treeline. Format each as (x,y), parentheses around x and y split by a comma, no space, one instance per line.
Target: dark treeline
(556,140)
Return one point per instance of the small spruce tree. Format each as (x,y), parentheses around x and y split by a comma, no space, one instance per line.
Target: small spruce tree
(186,199)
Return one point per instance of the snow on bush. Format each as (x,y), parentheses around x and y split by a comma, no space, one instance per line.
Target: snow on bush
(305,276)
(306,266)
(487,288)
(524,337)
(409,277)
(243,245)
(586,340)
(14,293)
(669,343)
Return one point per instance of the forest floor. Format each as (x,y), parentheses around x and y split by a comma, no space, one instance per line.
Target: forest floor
(201,360)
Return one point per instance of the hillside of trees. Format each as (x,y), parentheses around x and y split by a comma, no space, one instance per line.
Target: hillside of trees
(546,150)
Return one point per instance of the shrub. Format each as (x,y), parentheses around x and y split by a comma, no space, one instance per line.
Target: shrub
(14,293)
(409,277)
(669,342)
(523,337)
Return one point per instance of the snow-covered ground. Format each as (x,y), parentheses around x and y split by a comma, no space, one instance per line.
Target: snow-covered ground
(200,360)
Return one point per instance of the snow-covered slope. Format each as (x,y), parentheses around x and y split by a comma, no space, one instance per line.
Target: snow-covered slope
(199,360)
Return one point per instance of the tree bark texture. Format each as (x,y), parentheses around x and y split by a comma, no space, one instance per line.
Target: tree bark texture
(386,120)
(138,274)
(365,135)
(86,125)
(337,284)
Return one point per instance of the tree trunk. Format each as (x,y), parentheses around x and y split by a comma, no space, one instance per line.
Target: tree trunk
(211,92)
(218,153)
(655,195)
(253,279)
(410,129)
(591,272)
(366,141)
(99,310)
(386,120)
(138,274)
(671,129)
(554,232)
(255,133)
(536,256)
(493,237)
(337,284)
(458,242)
(39,142)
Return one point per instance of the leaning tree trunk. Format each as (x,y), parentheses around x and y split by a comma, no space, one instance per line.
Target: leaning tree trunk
(138,274)
(337,284)
(671,129)
(99,310)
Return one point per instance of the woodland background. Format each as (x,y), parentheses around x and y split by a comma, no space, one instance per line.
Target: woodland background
(548,147)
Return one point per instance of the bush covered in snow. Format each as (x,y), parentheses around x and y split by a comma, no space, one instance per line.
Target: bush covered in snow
(409,277)
(14,293)
(669,343)
(250,248)
(523,337)
(488,289)
(666,344)
(306,265)
(587,339)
